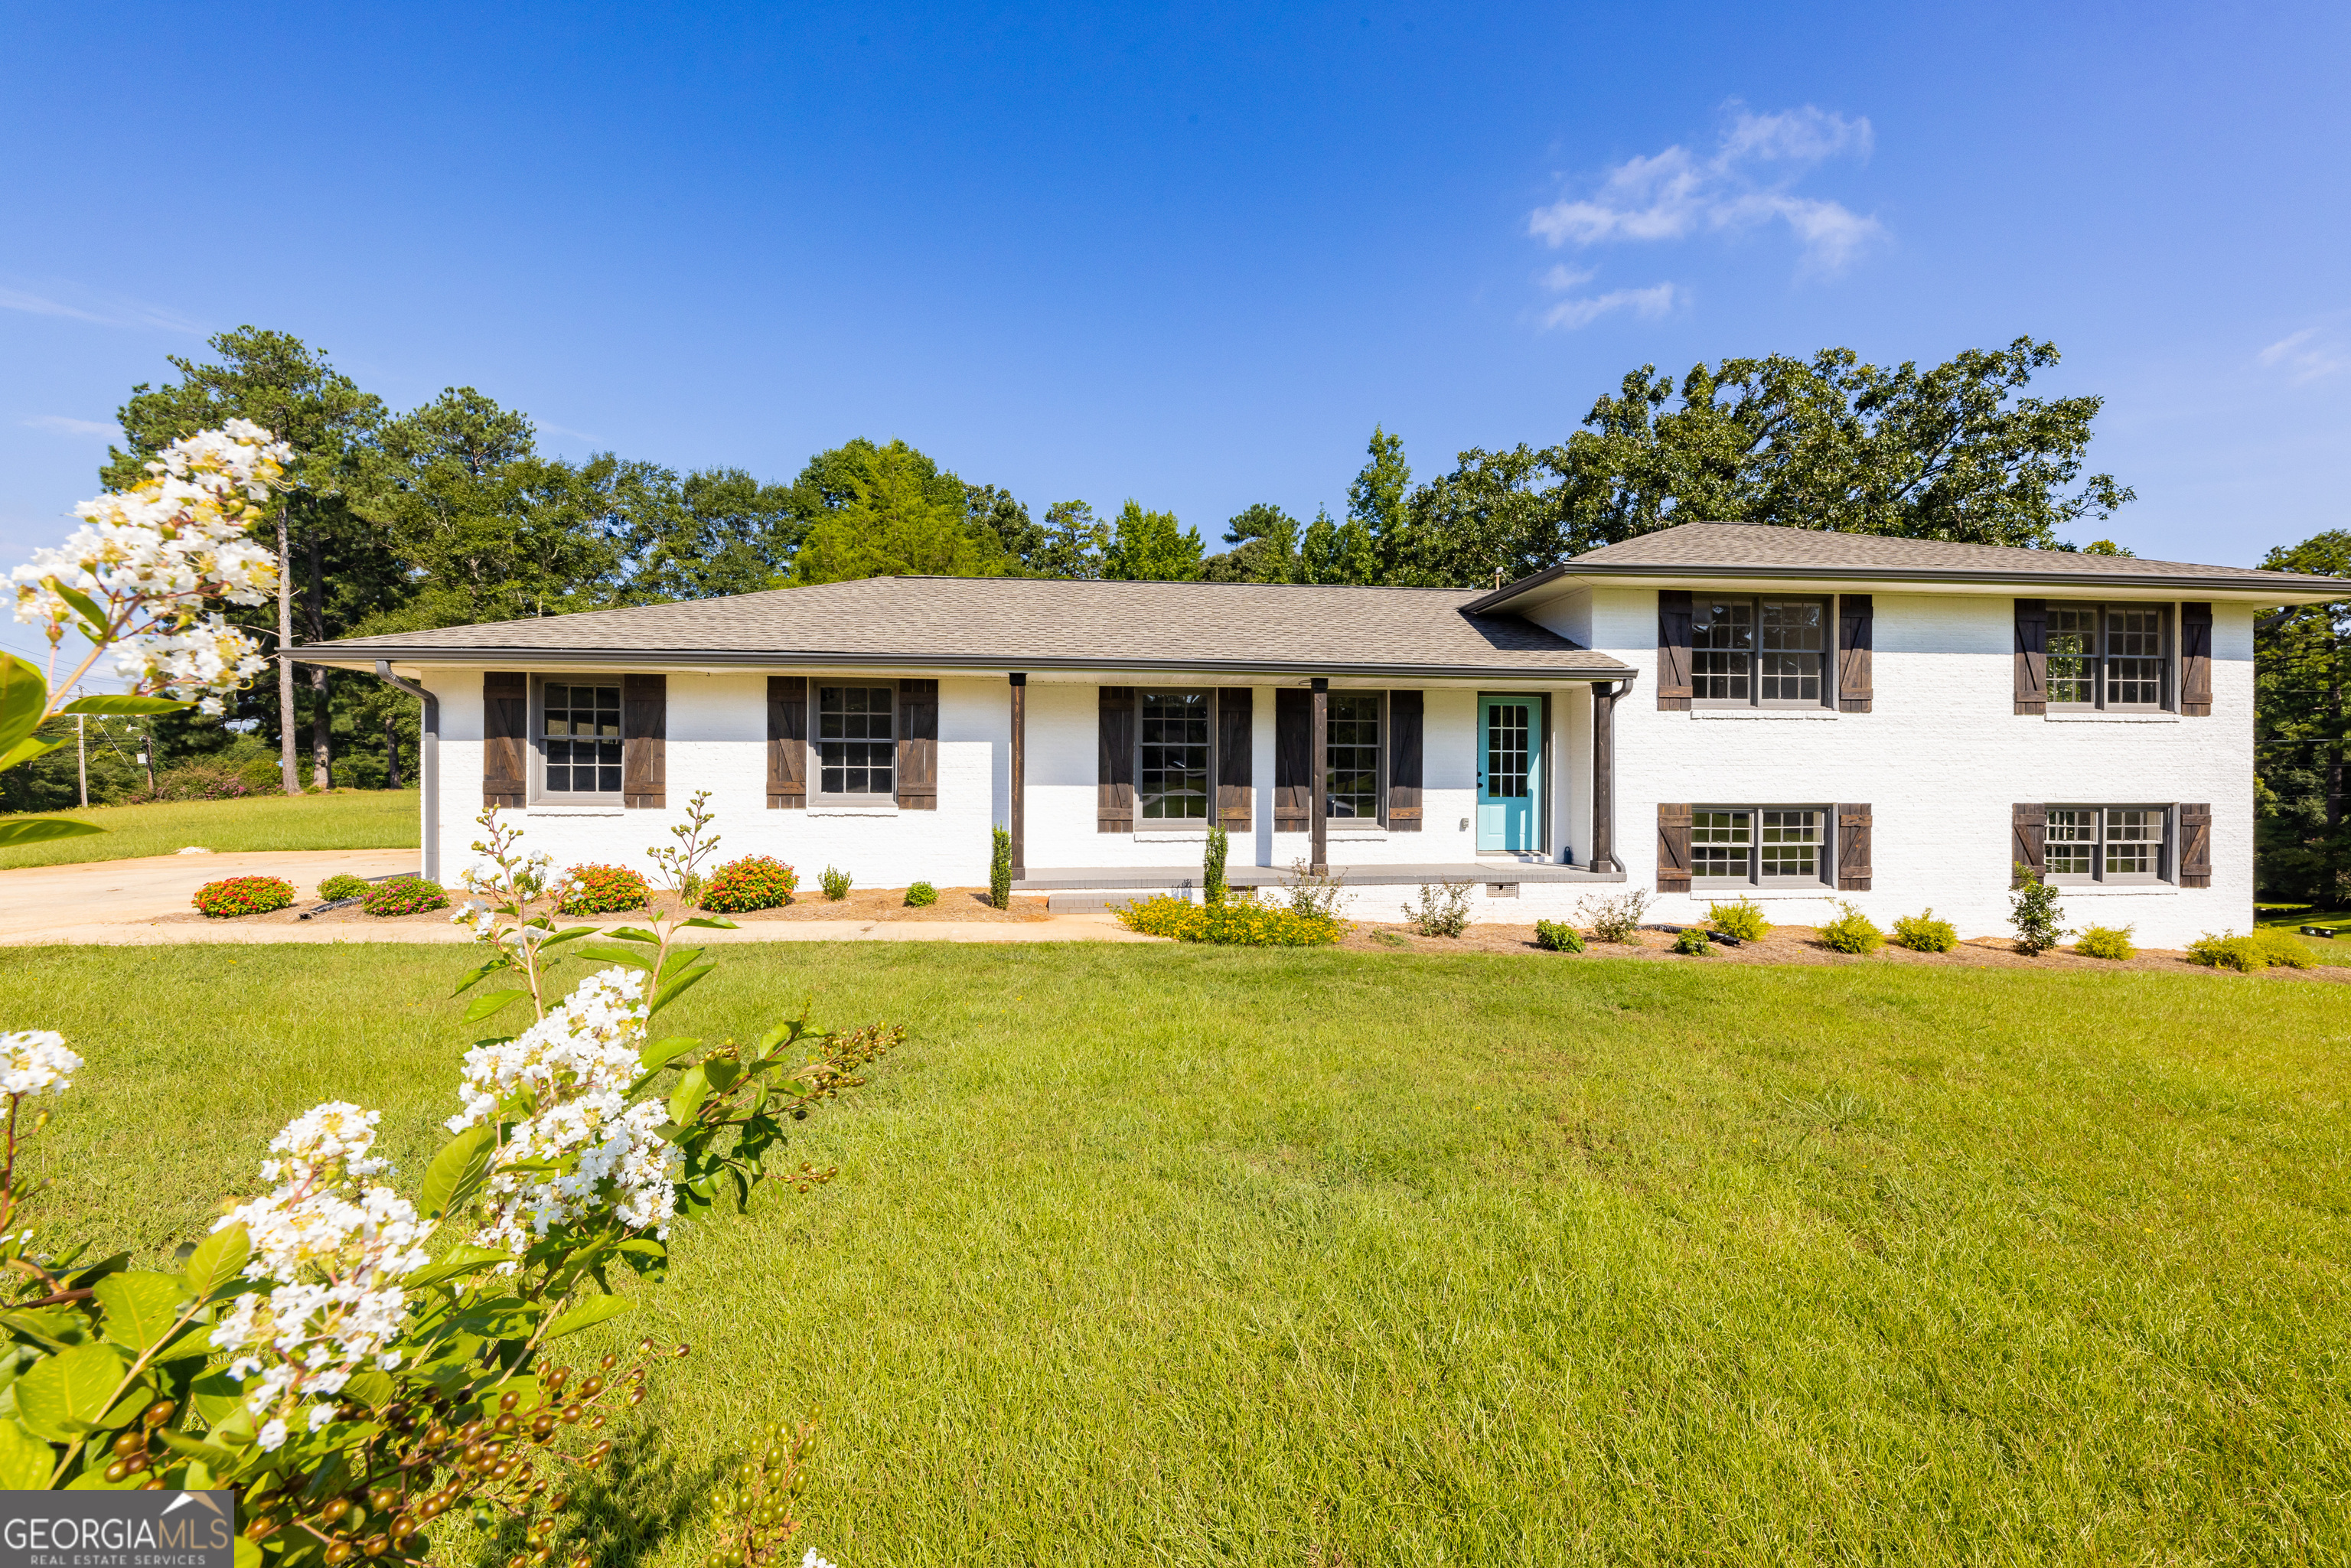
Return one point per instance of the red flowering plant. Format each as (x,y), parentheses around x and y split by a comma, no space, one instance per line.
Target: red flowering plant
(754,882)
(595,889)
(404,896)
(235,895)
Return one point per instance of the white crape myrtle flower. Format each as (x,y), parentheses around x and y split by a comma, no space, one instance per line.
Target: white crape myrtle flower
(332,1250)
(813,1560)
(572,1071)
(35,1060)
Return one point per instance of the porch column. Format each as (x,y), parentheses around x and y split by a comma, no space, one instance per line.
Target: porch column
(1319,738)
(1018,825)
(1603,774)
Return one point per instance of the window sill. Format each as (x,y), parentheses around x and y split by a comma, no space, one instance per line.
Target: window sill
(1171,835)
(1801,713)
(599,809)
(2114,889)
(1761,895)
(2110,718)
(851,808)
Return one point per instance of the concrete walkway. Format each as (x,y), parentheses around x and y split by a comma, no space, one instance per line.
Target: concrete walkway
(118,903)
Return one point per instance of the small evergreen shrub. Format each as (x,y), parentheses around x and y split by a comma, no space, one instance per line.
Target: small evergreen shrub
(755,882)
(1443,909)
(404,896)
(235,895)
(836,884)
(2105,942)
(1923,932)
(1851,932)
(343,885)
(1614,919)
(999,871)
(1558,936)
(1212,867)
(922,895)
(2033,909)
(1692,943)
(596,889)
(2250,954)
(1237,922)
(2282,948)
(1741,921)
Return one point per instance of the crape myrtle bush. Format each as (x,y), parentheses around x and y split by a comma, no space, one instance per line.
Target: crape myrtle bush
(233,895)
(343,885)
(754,882)
(1236,922)
(596,889)
(404,896)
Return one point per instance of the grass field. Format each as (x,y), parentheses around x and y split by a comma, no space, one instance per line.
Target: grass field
(1173,1256)
(347,819)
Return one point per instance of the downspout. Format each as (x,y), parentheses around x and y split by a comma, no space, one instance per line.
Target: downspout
(428,763)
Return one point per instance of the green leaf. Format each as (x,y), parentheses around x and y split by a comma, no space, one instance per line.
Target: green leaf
(41,830)
(248,1555)
(213,1456)
(140,1309)
(218,1398)
(26,750)
(217,1260)
(722,1074)
(492,967)
(634,934)
(616,956)
(56,1327)
(59,1398)
(490,1003)
(676,986)
(370,1387)
(686,1098)
(662,1052)
(457,1171)
(589,1313)
(24,698)
(715,923)
(86,607)
(461,1262)
(25,1460)
(119,702)
(679,958)
(568,933)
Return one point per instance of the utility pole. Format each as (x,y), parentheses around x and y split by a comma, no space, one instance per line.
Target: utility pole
(81,755)
(147,755)
(285,643)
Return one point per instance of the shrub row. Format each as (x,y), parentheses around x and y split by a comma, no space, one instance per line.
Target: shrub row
(235,895)
(1236,922)
(2252,953)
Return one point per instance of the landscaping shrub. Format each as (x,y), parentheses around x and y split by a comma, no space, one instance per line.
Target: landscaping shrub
(1315,894)
(836,884)
(1741,921)
(1236,922)
(1923,932)
(404,896)
(1212,866)
(999,872)
(2250,954)
(235,895)
(1443,909)
(922,895)
(755,882)
(1558,936)
(595,889)
(343,885)
(1614,919)
(1851,932)
(199,780)
(2105,942)
(2032,910)
(1691,942)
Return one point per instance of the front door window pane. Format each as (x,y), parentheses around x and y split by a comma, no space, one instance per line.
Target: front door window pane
(582,738)
(1172,776)
(1507,751)
(1353,758)
(2134,658)
(1791,846)
(2073,649)
(857,753)
(1722,644)
(1721,843)
(1794,639)
(2131,839)
(2071,841)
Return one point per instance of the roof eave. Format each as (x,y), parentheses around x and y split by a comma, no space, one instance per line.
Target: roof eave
(1580,667)
(1568,576)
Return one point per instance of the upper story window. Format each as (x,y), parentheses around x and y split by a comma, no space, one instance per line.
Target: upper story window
(579,739)
(1353,759)
(1759,653)
(856,741)
(2114,656)
(1171,776)
(1758,846)
(2108,843)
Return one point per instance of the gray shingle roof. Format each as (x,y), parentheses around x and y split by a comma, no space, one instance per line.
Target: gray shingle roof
(1704,550)
(1026,622)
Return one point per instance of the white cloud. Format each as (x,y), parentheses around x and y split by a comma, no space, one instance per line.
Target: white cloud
(1676,193)
(1646,303)
(99,312)
(61,425)
(2305,356)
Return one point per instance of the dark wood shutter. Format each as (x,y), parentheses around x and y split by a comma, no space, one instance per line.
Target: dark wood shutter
(1673,849)
(1236,798)
(1673,648)
(505,742)
(2032,656)
(2195,661)
(1293,760)
(1853,848)
(644,741)
(1856,629)
(786,743)
(918,745)
(1114,762)
(1404,761)
(2028,838)
(2195,846)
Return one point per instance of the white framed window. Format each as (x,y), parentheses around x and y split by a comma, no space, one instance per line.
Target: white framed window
(1759,846)
(1351,756)
(856,741)
(2113,657)
(2120,844)
(1174,757)
(1762,651)
(579,740)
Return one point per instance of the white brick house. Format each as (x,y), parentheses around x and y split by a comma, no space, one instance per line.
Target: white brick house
(1714,711)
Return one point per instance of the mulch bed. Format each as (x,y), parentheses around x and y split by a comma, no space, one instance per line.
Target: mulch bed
(861,905)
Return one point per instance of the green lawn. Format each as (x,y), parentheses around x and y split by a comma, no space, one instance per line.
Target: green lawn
(347,819)
(1175,1256)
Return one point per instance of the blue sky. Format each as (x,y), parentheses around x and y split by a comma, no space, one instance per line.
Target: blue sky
(1188,256)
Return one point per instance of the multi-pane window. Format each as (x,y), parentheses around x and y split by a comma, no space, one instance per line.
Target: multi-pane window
(1172,777)
(1508,751)
(2105,843)
(2108,656)
(857,750)
(1758,652)
(1758,845)
(581,734)
(1353,760)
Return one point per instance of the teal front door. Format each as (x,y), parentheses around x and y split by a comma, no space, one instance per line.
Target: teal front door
(1510,768)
